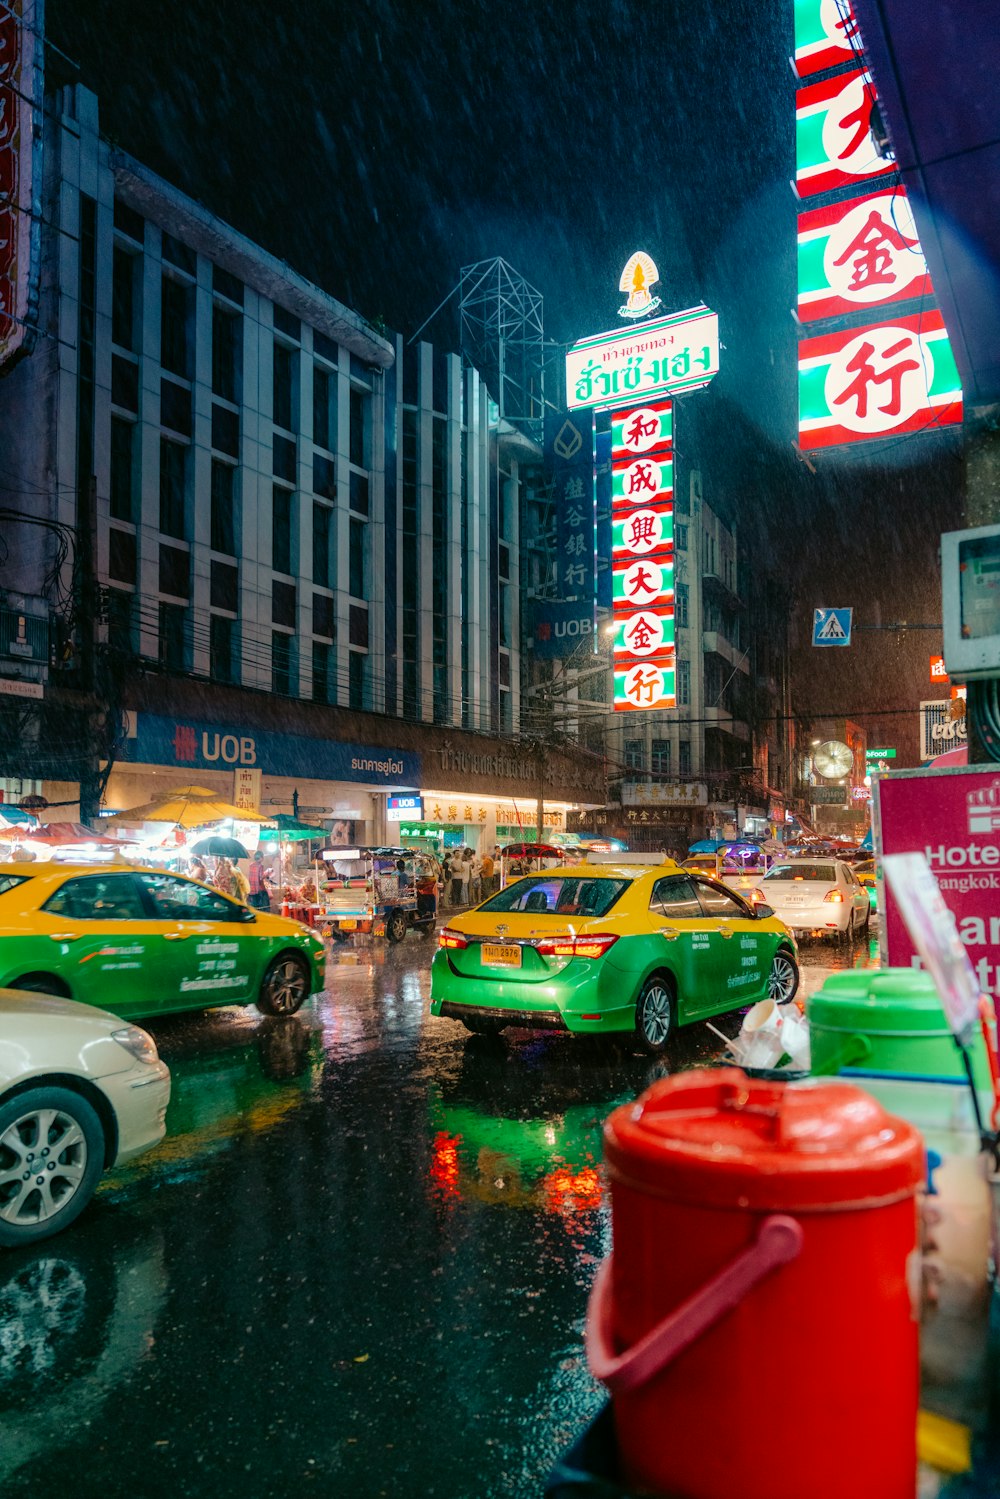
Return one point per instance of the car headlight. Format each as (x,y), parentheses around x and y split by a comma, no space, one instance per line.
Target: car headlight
(138,1043)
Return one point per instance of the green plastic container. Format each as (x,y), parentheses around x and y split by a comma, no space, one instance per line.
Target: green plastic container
(888,1022)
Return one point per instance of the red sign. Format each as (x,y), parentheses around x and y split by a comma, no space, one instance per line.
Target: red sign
(18,52)
(939,672)
(953,818)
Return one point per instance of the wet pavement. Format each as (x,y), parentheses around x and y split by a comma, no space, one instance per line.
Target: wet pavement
(358,1265)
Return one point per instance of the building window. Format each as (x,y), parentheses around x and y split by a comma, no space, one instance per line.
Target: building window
(220,650)
(281,529)
(124,383)
(179,254)
(635,753)
(173,489)
(357,619)
(223,508)
(172,636)
(226,430)
(684,757)
(322,676)
(357,560)
(175,571)
(360,421)
(359,492)
(226,329)
(283,458)
(281,664)
(680,537)
(287,323)
(122,469)
(324,348)
(324,476)
(681,604)
(175,407)
(322,534)
(324,409)
(175,327)
(283,370)
(129,222)
(225,285)
(661,757)
(121,556)
(123,298)
(122,633)
(683,684)
(357,668)
(224,586)
(283,603)
(323,615)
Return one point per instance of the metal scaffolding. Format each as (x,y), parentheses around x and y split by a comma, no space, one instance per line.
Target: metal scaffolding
(502,335)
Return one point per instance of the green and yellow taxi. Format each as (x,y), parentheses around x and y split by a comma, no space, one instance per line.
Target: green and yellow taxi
(142,942)
(866,876)
(600,949)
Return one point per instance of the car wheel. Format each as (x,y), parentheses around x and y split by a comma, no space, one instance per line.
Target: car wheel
(395,927)
(51,1159)
(867,921)
(654,1015)
(285,986)
(783,980)
(483,1025)
(42,983)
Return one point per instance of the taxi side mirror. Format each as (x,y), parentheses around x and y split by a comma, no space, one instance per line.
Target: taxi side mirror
(763,912)
(247,915)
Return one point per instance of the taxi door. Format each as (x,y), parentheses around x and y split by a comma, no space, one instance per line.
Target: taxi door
(98,940)
(745,951)
(694,949)
(210,952)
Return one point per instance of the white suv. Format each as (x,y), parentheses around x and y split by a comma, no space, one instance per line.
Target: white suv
(80,1090)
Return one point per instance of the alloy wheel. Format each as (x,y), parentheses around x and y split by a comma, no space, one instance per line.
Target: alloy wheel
(43,1160)
(654,1019)
(287,986)
(783,980)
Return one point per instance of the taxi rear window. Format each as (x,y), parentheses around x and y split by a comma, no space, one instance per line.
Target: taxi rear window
(824,873)
(558,895)
(11,881)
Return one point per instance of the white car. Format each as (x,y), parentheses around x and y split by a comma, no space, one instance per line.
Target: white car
(80,1090)
(821,896)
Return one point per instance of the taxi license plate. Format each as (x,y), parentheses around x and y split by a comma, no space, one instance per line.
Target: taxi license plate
(348,926)
(500,955)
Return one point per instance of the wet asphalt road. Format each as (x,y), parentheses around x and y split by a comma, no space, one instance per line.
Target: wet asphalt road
(358,1265)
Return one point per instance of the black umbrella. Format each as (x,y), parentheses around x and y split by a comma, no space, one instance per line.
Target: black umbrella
(220,847)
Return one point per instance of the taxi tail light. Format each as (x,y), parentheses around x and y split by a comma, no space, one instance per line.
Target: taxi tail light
(447,937)
(834,898)
(578,947)
(757,896)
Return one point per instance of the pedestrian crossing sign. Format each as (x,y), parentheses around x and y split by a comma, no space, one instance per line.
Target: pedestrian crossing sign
(832,626)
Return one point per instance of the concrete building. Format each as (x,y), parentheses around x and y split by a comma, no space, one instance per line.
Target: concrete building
(255,490)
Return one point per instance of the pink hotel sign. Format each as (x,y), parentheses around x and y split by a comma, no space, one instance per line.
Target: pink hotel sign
(953,818)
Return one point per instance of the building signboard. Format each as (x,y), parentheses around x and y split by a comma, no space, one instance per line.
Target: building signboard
(246,788)
(952,817)
(886,753)
(939,672)
(645,687)
(14,687)
(881,380)
(21,54)
(192,745)
(559,629)
(859,254)
(940,728)
(404,808)
(642,558)
(665,794)
(833,134)
(828,796)
(825,35)
(668,354)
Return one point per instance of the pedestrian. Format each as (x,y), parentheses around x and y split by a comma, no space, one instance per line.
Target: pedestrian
(260,880)
(222,876)
(197,871)
(475,879)
(445,880)
(240,885)
(486,867)
(458,879)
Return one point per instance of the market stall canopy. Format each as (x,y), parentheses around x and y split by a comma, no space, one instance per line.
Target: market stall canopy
(220,847)
(290,830)
(708,846)
(186,807)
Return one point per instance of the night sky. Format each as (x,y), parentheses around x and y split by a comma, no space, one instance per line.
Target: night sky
(379,147)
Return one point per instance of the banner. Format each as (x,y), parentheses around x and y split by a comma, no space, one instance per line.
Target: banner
(877,381)
(824,31)
(859,254)
(833,140)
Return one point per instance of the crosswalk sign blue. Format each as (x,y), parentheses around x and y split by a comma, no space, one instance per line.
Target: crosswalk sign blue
(832,626)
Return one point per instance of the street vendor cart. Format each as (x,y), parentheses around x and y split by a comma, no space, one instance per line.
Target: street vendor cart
(386,892)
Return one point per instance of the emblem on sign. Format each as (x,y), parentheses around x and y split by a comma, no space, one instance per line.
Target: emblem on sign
(639,275)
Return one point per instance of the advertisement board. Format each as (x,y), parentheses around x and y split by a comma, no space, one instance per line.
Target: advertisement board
(675,353)
(940,728)
(833,134)
(859,254)
(952,817)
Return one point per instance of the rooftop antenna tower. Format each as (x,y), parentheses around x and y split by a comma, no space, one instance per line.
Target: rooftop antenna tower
(502,336)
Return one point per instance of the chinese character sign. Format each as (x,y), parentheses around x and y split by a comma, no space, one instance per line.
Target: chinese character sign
(860,254)
(877,381)
(642,556)
(675,353)
(569,451)
(826,34)
(833,137)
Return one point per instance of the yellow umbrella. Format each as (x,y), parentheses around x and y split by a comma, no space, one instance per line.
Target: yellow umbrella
(187,807)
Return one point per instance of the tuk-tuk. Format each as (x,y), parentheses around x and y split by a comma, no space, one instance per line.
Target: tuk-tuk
(384,891)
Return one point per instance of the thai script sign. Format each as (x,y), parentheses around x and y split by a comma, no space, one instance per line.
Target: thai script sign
(877,381)
(860,254)
(674,353)
(940,729)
